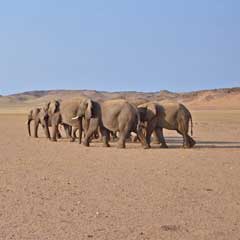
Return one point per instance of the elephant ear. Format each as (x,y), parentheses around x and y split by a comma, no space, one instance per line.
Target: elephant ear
(142,112)
(151,111)
(89,106)
(54,107)
(46,106)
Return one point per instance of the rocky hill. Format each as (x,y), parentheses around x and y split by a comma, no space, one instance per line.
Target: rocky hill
(228,98)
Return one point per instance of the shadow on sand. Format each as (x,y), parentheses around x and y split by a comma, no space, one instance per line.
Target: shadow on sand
(172,141)
(176,143)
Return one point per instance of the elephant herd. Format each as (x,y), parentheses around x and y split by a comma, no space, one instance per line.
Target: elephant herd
(112,118)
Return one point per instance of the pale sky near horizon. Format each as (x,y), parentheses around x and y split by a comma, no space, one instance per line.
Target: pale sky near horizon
(119,45)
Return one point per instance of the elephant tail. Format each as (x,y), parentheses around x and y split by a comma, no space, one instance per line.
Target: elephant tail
(190,116)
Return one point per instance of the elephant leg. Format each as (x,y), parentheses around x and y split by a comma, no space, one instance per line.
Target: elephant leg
(141,136)
(46,130)
(183,127)
(75,132)
(93,126)
(161,139)
(55,121)
(191,141)
(122,139)
(115,136)
(74,135)
(54,132)
(124,133)
(186,142)
(135,139)
(85,126)
(105,136)
(36,125)
(150,129)
(156,139)
(68,131)
(96,135)
(59,136)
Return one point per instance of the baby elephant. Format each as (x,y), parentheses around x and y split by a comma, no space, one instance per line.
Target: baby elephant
(39,117)
(172,116)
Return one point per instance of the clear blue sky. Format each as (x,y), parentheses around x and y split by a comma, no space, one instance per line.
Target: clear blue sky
(179,45)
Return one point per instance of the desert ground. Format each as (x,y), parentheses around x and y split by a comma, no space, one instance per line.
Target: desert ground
(67,191)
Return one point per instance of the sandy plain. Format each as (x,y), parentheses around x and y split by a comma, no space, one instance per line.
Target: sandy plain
(66,191)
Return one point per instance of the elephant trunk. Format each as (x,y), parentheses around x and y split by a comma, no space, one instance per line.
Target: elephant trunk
(191,124)
(46,129)
(140,134)
(80,130)
(29,127)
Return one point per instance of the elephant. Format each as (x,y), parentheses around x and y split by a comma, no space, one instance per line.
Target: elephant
(111,115)
(172,116)
(39,116)
(62,114)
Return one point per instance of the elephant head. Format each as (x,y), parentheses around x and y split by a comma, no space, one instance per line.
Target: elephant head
(52,107)
(147,111)
(85,109)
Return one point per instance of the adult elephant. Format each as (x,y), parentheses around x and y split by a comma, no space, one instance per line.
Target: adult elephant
(111,115)
(62,114)
(172,116)
(40,117)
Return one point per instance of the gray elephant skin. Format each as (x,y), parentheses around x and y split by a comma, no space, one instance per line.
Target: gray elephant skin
(63,114)
(172,116)
(39,116)
(111,115)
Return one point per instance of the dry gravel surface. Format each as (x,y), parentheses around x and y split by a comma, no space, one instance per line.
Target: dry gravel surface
(66,191)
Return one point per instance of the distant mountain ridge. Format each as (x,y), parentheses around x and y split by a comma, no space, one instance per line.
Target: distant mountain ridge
(224,98)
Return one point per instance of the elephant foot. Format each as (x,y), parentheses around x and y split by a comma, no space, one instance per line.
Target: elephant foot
(121,146)
(35,136)
(164,146)
(72,139)
(135,139)
(106,145)
(86,144)
(186,146)
(146,147)
(192,143)
(54,140)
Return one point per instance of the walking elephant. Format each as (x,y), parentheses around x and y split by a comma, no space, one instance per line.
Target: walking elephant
(39,116)
(172,116)
(62,114)
(111,115)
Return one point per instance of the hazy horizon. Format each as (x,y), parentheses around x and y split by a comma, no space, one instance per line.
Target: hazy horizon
(52,90)
(179,46)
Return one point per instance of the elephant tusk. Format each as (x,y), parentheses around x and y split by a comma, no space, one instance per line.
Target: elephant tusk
(74,118)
